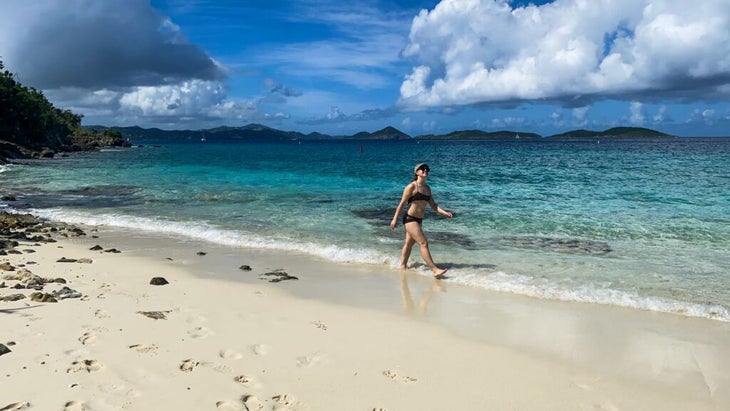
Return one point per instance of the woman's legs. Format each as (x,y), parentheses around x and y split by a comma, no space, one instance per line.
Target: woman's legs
(405,253)
(415,234)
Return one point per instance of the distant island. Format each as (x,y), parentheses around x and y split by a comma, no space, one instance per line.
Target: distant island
(481,135)
(258,132)
(616,132)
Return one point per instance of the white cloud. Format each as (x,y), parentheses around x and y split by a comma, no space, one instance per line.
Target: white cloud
(100,44)
(480,51)
(661,114)
(508,121)
(334,113)
(180,99)
(579,114)
(115,61)
(637,113)
(707,116)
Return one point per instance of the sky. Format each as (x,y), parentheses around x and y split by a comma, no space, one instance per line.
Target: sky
(341,67)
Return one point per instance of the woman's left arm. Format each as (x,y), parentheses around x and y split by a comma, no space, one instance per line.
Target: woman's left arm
(438,209)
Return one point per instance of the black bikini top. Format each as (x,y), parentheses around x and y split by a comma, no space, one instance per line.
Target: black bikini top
(419,196)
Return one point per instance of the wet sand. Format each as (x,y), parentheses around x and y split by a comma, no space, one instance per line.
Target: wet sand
(339,336)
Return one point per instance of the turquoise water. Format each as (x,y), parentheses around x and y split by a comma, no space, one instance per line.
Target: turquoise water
(640,224)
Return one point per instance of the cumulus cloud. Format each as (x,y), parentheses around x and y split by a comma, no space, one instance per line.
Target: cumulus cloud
(706,116)
(93,44)
(637,113)
(486,51)
(114,60)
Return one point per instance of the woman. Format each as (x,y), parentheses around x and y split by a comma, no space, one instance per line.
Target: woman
(417,194)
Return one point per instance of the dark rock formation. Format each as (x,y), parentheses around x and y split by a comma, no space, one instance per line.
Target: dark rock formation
(560,245)
(158,281)
(156,315)
(4,349)
(277,276)
(42,297)
(66,292)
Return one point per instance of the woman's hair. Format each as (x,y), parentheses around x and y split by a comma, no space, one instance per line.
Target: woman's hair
(418,167)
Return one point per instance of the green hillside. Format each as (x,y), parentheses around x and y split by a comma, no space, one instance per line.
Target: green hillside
(481,135)
(616,132)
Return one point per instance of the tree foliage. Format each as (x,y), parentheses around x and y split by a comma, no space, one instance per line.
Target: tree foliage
(29,120)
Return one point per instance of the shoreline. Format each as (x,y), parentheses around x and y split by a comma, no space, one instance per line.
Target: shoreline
(341,336)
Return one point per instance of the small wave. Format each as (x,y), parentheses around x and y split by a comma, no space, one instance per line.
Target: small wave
(205,232)
(544,289)
(4,168)
(474,276)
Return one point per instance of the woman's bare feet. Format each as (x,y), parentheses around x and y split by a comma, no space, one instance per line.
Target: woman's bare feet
(438,273)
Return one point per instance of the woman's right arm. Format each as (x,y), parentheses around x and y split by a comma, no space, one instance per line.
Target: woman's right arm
(403,201)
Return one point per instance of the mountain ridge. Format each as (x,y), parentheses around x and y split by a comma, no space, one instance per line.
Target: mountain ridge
(259,132)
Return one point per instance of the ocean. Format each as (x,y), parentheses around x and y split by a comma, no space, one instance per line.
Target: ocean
(637,224)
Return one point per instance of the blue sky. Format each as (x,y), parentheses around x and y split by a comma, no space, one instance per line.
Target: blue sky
(421,66)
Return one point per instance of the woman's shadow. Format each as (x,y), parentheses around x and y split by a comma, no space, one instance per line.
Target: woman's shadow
(408,305)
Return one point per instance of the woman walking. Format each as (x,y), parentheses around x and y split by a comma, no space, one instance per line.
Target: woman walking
(417,194)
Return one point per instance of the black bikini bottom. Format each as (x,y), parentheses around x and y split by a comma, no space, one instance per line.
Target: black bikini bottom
(407,218)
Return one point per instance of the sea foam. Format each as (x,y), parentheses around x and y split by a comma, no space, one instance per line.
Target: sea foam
(473,277)
(545,289)
(205,232)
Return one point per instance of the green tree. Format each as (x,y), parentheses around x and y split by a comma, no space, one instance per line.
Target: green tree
(29,120)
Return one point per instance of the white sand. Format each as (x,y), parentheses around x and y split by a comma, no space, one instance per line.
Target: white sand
(342,337)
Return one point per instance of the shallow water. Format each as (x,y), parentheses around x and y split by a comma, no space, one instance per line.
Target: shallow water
(640,224)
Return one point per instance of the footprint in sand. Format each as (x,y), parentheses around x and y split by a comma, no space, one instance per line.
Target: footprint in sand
(74,406)
(84,365)
(285,402)
(144,349)
(230,406)
(200,332)
(15,406)
(311,360)
(260,349)
(251,402)
(230,355)
(101,314)
(242,379)
(188,365)
(390,374)
(320,325)
(393,376)
(88,338)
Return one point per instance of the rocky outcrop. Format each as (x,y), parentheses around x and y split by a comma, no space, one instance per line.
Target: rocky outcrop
(27,227)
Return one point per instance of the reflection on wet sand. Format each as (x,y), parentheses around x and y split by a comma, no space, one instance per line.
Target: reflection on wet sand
(408,305)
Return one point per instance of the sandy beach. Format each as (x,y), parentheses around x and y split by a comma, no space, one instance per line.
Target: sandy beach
(338,337)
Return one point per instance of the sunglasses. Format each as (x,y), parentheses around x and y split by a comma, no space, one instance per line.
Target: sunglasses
(425,168)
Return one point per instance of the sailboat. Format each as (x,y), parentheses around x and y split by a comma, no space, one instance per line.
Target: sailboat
(202,138)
